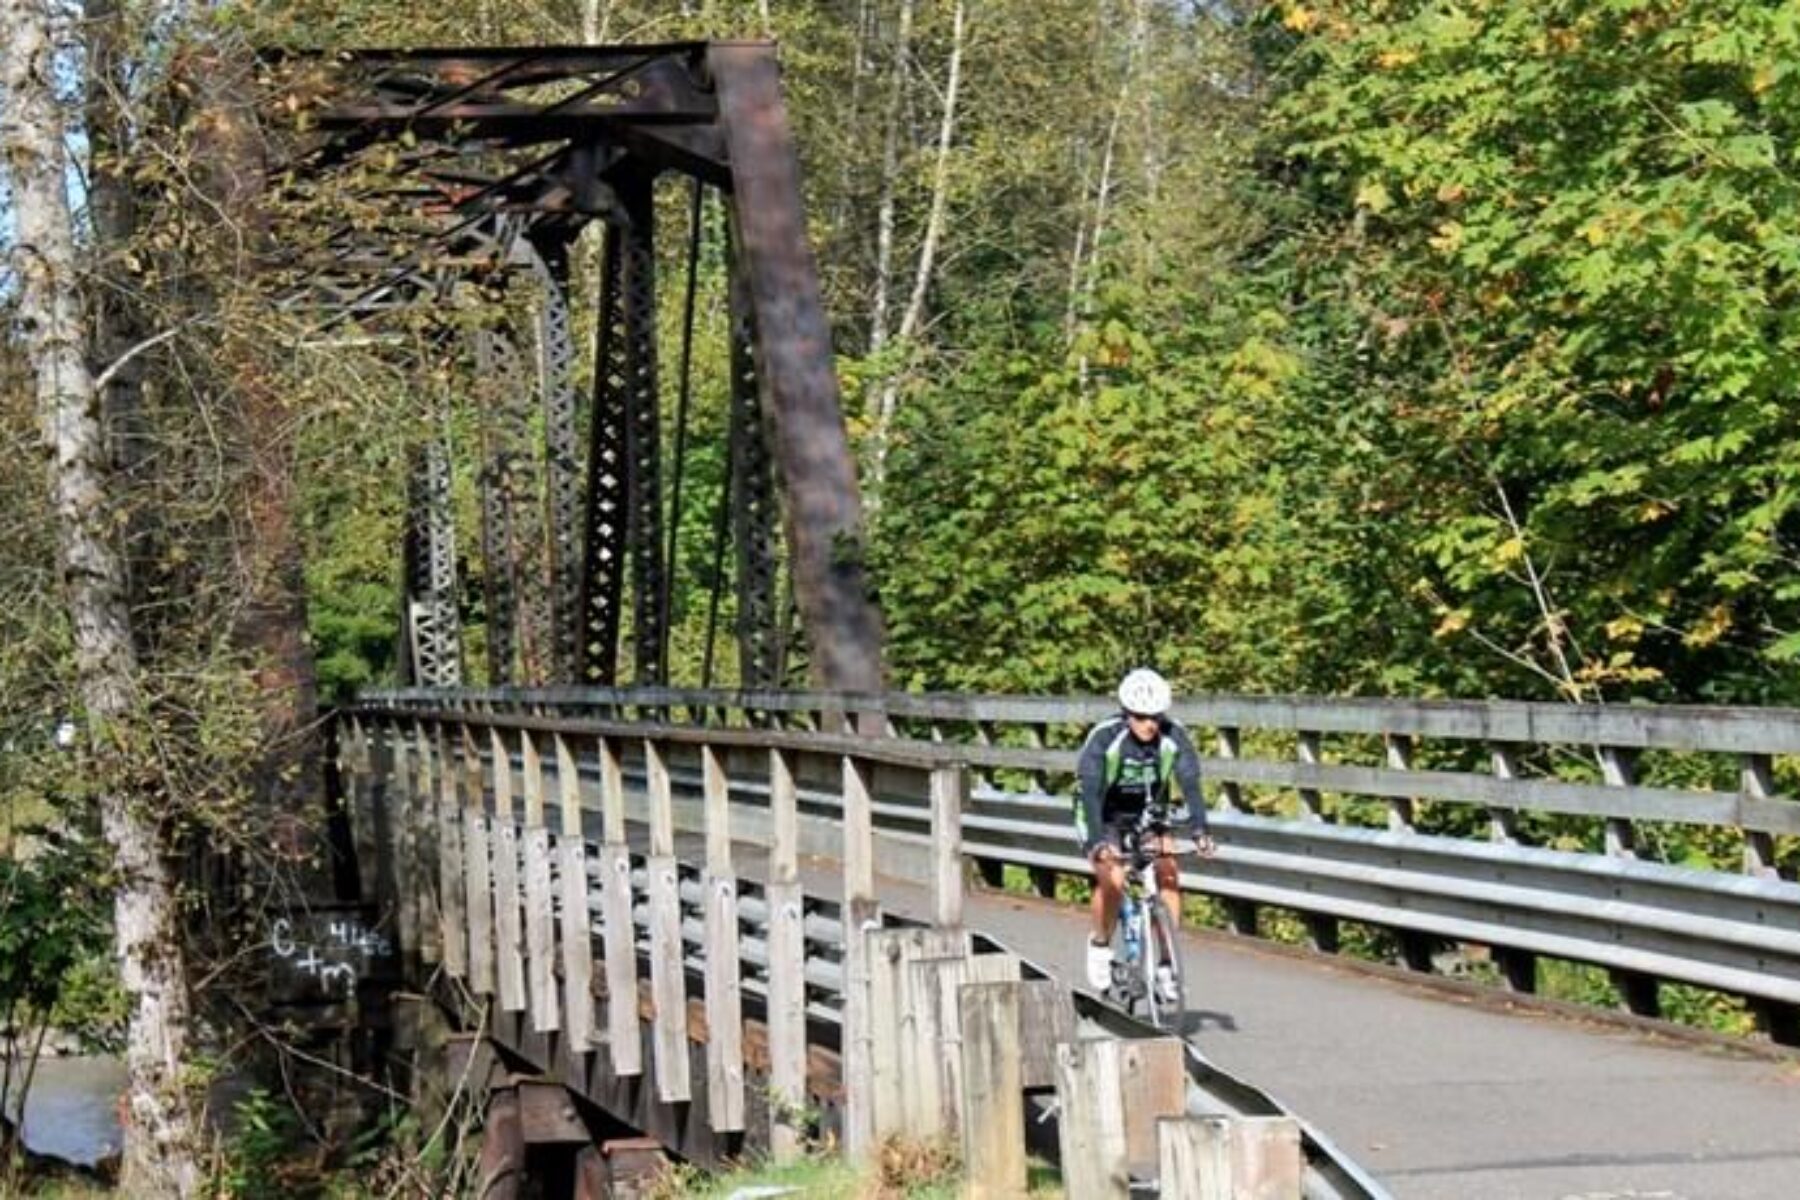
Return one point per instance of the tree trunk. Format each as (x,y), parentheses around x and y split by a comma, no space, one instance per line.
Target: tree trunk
(890,181)
(161,1130)
(914,317)
(271,617)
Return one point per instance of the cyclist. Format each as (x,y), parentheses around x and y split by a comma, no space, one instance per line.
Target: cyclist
(1126,765)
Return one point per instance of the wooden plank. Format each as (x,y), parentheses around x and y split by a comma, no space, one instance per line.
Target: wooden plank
(668,981)
(716,793)
(453,926)
(1048,1010)
(1229,1158)
(540,933)
(509,932)
(949,795)
(409,881)
(540,900)
(479,893)
(932,1102)
(1153,1081)
(612,793)
(892,1023)
(784,819)
(859,831)
(992,1099)
(1091,1120)
(577,947)
(861,919)
(623,1042)
(724,1007)
(568,786)
(661,797)
(358,783)
(786,1019)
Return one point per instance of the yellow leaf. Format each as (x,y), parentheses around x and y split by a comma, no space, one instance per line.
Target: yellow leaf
(1710,628)
(1510,551)
(1448,237)
(1454,622)
(1373,195)
(1624,629)
(1300,19)
(1387,60)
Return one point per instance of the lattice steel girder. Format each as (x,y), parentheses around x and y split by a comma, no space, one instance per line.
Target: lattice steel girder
(603,520)
(794,359)
(562,499)
(754,509)
(433,631)
(643,426)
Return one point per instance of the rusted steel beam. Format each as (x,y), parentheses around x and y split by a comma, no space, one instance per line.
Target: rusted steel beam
(794,358)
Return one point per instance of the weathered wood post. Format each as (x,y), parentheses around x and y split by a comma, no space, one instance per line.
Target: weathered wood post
(860,916)
(577,939)
(1229,1158)
(624,1042)
(1091,1120)
(453,926)
(668,974)
(540,900)
(787,964)
(478,881)
(949,795)
(992,1102)
(724,1008)
(509,935)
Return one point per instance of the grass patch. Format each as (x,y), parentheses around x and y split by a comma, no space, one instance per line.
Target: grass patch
(903,1170)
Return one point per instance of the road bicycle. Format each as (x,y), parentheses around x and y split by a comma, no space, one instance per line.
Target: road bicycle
(1144,935)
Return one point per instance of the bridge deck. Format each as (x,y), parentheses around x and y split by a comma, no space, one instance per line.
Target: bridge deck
(1442,1097)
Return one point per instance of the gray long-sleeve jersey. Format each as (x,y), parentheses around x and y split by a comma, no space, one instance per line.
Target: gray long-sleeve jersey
(1120,775)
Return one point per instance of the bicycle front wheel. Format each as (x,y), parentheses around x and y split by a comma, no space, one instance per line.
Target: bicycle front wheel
(1167,1007)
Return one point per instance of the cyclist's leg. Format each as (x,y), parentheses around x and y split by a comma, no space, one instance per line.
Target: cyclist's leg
(1109,893)
(1168,877)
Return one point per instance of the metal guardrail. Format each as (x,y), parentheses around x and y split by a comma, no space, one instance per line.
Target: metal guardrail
(1644,920)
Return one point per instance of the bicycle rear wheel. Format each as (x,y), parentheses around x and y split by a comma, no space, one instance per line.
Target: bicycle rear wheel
(1165,1012)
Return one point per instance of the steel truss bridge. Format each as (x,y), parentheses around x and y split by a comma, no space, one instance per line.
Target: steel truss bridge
(678,913)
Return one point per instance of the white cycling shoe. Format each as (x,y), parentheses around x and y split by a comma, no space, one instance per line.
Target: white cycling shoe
(1166,992)
(1099,966)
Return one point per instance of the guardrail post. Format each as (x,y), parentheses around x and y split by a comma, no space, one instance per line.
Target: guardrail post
(949,791)
(1503,823)
(787,965)
(624,1039)
(509,959)
(1312,804)
(1153,1082)
(1090,1123)
(577,935)
(668,972)
(1230,749)
(540,901)
(478,879)
(724,1010)
(1229,1158)
(1757,782)
(1399,758)
(992,1102)
(1619,768)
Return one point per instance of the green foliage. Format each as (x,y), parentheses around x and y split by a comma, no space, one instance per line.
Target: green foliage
(54,937)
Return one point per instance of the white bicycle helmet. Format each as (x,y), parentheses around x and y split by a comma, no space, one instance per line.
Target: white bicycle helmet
(1144,692)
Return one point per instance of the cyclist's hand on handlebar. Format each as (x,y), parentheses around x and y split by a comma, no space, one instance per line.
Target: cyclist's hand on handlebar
(1201,845)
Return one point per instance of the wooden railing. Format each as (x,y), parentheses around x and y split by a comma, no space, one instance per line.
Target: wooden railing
(810,1010)
(1530,829)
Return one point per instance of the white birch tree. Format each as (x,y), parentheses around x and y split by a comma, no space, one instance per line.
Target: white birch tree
(161,1126)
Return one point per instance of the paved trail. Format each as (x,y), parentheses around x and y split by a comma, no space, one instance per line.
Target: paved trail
(1444,1098)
